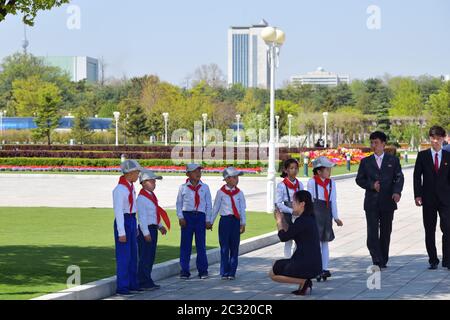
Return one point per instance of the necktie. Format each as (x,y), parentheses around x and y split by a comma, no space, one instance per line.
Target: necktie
(130,188)
(231,194)
(160,212)
(436,162)
(197,195)
(379,162)
(324,185)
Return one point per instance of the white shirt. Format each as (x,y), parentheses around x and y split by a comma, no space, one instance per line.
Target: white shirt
(321,195)
(222,204)
(121,206)
(282,195)
(379,159)
(146,211)
(439,156)
(186,199)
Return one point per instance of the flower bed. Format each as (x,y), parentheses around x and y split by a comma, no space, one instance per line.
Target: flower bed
(339,156)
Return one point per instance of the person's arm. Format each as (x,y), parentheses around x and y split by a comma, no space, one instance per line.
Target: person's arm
(334,209)
(243,208)
(281,189)
(286,232)
(119,211)
(399,178)
(208,204)
(418,171)
(310,187)
(179,204)
(362,179)
(142,210)
(216,207)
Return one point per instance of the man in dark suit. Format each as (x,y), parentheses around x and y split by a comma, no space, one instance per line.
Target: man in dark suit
(381,176)
(432,193)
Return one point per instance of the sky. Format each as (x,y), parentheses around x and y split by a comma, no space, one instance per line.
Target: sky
(171,38)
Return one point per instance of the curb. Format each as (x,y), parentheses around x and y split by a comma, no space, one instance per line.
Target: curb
(107,287)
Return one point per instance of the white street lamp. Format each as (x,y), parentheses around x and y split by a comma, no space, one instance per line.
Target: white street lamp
(290,116)
(205,117)
(1,121)
(238,118)
(259,118)
(325,118)
(116,117)
(274,39)
(166,119)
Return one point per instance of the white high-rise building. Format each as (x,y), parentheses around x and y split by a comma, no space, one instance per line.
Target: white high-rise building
(247,57)
(320,77)
(78,68)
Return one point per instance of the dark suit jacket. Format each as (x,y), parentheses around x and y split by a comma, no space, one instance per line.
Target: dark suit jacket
(391,181)
(429,185)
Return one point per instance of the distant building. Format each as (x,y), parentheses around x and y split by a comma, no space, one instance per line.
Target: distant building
(247,57)
(78,68)
(320,77)
(447,77)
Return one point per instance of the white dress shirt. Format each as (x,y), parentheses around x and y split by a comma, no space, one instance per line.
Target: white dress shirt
(146,211)
(379,160)
(121,206)
(186,199)
(222,204)
(439,156)
(282,195)
(321,195)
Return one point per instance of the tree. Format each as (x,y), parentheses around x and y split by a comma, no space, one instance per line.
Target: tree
(211,74)
(440,106)
(407,100)
(382,116)
(27,8)
(136,126)
(47,111)
(81,130)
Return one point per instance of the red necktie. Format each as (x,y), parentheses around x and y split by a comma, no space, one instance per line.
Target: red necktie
(231,194)
(197,196)
(160,212)
(436,162)
(324,185)
(130,188)
(294,186)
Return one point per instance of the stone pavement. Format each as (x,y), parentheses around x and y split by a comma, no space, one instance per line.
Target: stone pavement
(406,277)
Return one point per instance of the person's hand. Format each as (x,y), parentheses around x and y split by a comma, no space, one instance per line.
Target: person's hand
(396,197)
(242,229)
(339,222)
(122,239)
(163,230)
(209,226)
(182,223)
(419,201)
(377,186)
(278,215)
(148,238)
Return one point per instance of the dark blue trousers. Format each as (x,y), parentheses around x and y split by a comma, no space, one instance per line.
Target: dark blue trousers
(126,256)
(195,224)
(147,252)
(229,239)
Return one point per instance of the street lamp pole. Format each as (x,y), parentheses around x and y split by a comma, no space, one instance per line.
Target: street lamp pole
(290,116)
(277,118)
(116,117)
(166,119)
(325,118)
(274,39)
(205,118)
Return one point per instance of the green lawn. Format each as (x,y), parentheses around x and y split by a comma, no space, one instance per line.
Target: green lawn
(38,244)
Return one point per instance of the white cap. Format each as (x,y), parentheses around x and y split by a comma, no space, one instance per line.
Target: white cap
(192,167)
(130,165)
(148,175)
(231,172)
(322,162)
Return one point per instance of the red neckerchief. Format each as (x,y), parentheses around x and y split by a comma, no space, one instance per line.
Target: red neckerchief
(294,186)
(231,194)
(324,185)
(130,188)
(160,212)
(197,195)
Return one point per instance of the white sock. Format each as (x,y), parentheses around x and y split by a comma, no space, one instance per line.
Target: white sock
(325,254)
(288,249)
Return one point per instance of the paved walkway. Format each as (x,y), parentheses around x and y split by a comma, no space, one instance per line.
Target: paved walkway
(406,277)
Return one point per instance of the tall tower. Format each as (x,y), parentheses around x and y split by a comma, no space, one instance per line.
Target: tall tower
(247,56)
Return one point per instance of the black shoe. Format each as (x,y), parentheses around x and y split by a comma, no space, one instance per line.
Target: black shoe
(383,266)
(433,266)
